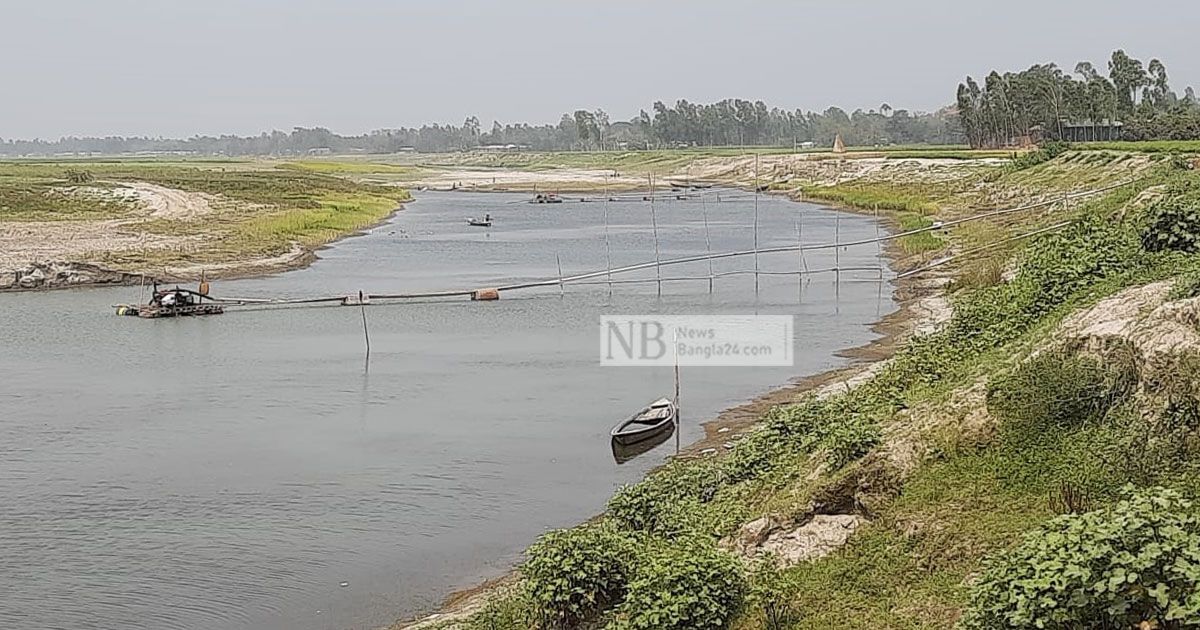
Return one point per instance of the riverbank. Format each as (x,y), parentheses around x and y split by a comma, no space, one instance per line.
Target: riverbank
(922,306)
(882,496)
(79,223)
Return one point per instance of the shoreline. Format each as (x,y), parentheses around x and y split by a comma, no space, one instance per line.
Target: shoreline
(299,257)
(920,303)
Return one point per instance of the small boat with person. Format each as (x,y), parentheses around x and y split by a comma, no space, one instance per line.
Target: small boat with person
(652,420)
(546,198)
(486,221)
(175,302)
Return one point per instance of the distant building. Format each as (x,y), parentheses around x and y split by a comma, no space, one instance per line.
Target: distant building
(807,144)
(320,151)
(1082,130)
(499,148)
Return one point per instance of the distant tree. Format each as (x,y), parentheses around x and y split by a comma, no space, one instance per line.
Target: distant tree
(1128,75)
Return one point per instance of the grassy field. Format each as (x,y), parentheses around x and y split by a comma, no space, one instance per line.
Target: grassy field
(240,211)
(1148,146)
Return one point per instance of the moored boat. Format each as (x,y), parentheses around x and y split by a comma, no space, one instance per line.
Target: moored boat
(175,302)
(652,420)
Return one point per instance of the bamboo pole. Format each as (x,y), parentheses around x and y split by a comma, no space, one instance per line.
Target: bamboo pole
(707,243)
(654,227)
(837,247)
(756,224)
(366,333)
(607,245)
(678,413)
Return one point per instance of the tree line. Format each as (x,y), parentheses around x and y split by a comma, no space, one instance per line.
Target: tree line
(1045,101)
(725,123)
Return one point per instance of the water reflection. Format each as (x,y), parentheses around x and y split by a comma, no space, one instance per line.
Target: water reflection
(623,453)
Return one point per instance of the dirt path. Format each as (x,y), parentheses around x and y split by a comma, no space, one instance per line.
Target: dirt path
(169,203)
(27,245)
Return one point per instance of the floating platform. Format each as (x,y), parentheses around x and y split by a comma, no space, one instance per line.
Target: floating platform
(150,311)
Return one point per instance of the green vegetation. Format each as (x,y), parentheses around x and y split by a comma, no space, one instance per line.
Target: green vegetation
(241,211)
(574,574)
(1174,222)
(920,200)
(1045,101)
(1149,146)
(33,200)
(685,586)
(1093,570)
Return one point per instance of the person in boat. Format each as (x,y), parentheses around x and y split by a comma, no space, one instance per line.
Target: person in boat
(487,216)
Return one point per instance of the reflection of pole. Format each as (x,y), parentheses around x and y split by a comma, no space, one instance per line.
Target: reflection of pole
(799,262)
(607,247)
(707,242)
(677,412)
(561,291)
(654,226)
(366,334)
(756,224)
(837,248)
(878,245)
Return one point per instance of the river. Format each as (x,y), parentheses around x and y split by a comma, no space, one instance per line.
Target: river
(249,471)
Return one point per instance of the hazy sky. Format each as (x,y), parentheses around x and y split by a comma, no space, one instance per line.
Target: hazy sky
(174,68)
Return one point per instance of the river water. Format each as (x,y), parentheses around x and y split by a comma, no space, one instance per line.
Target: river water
(249,471)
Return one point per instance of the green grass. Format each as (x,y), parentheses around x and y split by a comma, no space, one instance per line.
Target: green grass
(1148,146)
(32,200)
(341,167)
(922,241)
(921,200)
(265,210)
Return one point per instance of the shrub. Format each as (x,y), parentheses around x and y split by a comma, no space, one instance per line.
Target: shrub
(573,574)
(849,437)
(512,610)
(1186,286)
(1045,153)
(1136,562)
(648,505)
(1055,389)
(1174,221)
(687,586)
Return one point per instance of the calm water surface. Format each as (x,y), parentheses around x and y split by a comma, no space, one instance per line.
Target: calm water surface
(247,472)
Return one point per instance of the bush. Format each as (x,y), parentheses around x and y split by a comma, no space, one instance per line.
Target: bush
(1136,562)
(648,505)
(1056,390)
(573,574)
(1186,286)
(688,586)
(1045,153)
(512,610)
(1174,220)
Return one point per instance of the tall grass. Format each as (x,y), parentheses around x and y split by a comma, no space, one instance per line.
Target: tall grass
(884,196)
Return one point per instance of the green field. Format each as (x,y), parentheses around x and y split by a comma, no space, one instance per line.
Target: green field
(253,209)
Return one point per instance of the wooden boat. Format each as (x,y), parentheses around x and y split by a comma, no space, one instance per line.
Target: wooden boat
(546,198)
(655,418)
